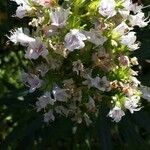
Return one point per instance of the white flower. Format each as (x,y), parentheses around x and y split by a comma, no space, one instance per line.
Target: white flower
(91,82)
(136,8)
(100,83)
(135,81)
(126,4)
(36,49)
(32,81)
(18,36)
(103,84)
(130,6)
(95,37)
(116,114)
(59,17)
(145,92)
(60,94)
(122,28)
(133,73)
(138,20)
(74,40)
(134,61)
(107,8)
(49,116)
(129,40)
(132,103)
(125,11)
(21,12)
(44,100)
(23,8)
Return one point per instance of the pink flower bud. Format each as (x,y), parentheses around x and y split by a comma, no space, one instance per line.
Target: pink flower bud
(124,60)
(47,2)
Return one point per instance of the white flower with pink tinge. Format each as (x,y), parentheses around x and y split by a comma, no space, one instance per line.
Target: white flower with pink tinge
(95,37)
(107,8)
(124,60)
(36,49)
(138,20)
(23,8)
(132,103)
(129,40)
(74,40)
(60,94)
(44,100)
(59,17)
(116,114)
(32,81)
(45,2)
(100,83)
(129,6)
(122,28)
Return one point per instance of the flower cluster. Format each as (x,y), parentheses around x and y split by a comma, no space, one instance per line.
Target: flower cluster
(80,53)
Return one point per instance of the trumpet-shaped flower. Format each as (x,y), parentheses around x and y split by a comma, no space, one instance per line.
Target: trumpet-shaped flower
(138,20)
(18,36)
(32,81)
(100,83)
(130,6)
(60,94)
(95,37)
(23,8)
(44,100)
(135,81)
(36,49)
(122,28)
(59,17)
(129,40)
(116,114)
(132,103)
(135,8)
(107,8)
(125,11)
(74,40)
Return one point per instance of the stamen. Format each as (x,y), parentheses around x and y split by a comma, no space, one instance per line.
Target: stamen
(146,7)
